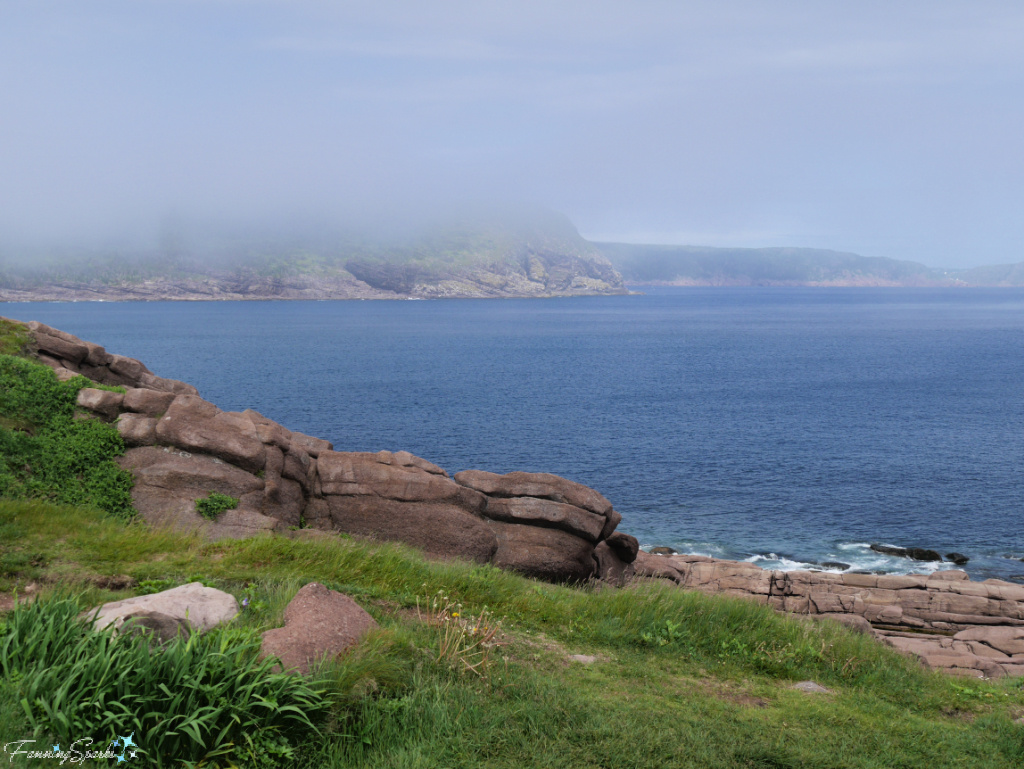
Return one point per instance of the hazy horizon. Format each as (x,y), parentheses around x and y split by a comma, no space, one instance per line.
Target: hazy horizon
(877,129)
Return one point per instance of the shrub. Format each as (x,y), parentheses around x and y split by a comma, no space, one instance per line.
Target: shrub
(214,504)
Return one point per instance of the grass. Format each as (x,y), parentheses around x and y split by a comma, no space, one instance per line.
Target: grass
(682,679)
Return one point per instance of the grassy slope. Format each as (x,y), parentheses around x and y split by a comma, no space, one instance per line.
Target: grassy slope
(682,679)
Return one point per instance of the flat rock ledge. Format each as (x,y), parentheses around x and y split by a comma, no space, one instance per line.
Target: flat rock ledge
(950,622)
(181,448)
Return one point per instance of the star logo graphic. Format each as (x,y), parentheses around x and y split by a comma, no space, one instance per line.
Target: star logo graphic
(56,748)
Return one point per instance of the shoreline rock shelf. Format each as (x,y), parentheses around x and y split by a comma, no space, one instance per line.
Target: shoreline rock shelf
(952,623)
(180,448)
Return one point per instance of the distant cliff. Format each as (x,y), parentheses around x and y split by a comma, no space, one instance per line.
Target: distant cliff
(537,255)
(706,266)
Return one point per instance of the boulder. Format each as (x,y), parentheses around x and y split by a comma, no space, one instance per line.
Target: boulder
(193,424)
(200,606)
(914,553)
(102,402)
(152,403)
(610,567)
(655,567)
(958,558)
(309,444)
(625,546)
(318,623)
(540,485)
(548,554)
(440,528)
(662,551)
(548,514)
(136,429)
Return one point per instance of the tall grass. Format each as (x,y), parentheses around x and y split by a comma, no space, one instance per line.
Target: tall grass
(196,699)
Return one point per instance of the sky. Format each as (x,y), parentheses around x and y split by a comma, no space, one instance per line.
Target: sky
(883,128)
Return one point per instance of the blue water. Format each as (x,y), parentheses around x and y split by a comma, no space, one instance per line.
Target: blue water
(783,426)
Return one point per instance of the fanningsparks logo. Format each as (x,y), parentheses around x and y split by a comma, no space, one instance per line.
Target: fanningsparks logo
(121,748)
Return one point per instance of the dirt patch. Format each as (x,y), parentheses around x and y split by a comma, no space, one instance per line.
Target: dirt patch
(727,691)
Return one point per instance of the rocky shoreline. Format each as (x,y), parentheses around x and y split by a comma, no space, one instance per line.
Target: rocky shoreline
(180,448)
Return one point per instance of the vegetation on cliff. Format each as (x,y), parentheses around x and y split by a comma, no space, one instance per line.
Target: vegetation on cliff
(46,449)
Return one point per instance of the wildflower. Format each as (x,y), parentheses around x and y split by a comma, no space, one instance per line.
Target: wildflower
(245,602)
(455,614)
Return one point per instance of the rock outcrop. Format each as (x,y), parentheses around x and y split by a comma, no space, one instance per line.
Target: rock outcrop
(180,448)
(943,617)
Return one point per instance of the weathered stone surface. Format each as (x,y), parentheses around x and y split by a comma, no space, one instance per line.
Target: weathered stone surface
(548,554)
(662,550)
(136,429)
(544,512)
(168,482)
(161,627)
(656,567)
(625,546)
(610,567)
(57,343)
(317,514)
(102,402)
(439,528)
(1008,640)
(540,485)
(318,623)
(197,425)
(202,607)
(152,403)
(309,444)
(358,474)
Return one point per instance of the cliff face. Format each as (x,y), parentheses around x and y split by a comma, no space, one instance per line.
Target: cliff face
(539,255)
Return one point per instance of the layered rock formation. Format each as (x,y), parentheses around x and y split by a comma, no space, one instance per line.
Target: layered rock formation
(180,448)
(949,621)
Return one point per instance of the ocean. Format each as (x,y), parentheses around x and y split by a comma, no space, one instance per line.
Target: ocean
(783,426)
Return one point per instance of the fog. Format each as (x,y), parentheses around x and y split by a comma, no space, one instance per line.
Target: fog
(879,128)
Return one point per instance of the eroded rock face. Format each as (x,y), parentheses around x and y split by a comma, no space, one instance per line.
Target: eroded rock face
(547,554)
(439,528)
(318,623)
(196,425)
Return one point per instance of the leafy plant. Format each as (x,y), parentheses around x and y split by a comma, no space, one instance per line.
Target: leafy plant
(199,698)
(214,504)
